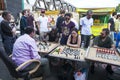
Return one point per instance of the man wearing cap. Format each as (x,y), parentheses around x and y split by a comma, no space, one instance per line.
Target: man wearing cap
(85,25)
(43,25)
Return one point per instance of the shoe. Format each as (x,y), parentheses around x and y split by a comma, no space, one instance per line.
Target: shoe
(109,69)
(92,70)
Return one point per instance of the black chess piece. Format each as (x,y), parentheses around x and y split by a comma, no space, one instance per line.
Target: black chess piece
(66,55)
(75,57)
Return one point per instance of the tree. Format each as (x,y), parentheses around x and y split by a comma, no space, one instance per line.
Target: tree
(118,8)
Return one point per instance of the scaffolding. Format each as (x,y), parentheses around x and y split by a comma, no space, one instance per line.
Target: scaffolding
(52,5)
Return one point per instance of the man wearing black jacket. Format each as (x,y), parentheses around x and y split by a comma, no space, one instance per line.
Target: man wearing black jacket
(7,31)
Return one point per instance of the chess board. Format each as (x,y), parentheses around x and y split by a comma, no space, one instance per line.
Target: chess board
(68,53)
(103,55)
(46,47)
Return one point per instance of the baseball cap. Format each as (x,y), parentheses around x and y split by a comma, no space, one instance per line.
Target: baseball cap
(42,11)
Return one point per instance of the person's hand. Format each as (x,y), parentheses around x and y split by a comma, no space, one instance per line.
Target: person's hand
(112,48)
(95,46)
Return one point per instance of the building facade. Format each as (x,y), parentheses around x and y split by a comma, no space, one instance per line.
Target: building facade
(14,6)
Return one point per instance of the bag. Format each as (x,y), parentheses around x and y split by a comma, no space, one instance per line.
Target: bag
(80,76)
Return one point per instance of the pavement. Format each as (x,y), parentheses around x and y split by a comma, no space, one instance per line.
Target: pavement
(100,72)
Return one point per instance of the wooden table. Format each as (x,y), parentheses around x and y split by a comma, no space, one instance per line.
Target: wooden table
(46,48)
(92,55)
(59,52)
(80,58)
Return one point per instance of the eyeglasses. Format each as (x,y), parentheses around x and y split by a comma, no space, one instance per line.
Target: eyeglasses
(67,18)
(102,33)
(73,33)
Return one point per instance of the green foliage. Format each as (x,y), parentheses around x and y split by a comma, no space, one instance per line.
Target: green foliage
(118,8)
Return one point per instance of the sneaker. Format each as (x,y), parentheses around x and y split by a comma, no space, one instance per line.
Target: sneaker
(92,70)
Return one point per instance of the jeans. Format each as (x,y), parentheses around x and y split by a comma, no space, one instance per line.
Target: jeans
(112,35)
(43,36)
(43,70)
(86,40)
(8,43)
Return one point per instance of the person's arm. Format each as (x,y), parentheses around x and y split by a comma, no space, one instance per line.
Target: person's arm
(23,23)
(34,50)
(92,22)
(73,25)
(117,26)
(38,22)
(48,24)
(112,44)
(109,23)
(95,42)
(5,28)
(57,22)
(74,45)
(80,24)
(33,19)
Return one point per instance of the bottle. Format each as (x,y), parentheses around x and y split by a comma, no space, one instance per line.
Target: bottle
(82,44)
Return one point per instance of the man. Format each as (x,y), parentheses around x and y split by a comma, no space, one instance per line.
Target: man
(111,25)
(23,22)
(117,23)
(117,29)
(7,32)
(106,42)
(43,25)
(25,49)
(60,20)
(30,19)
(85,25)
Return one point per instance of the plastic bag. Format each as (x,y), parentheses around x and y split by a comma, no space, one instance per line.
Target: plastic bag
(80,76)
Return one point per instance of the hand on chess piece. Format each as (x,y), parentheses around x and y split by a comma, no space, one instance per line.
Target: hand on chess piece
(112,48)
(45,41)
(59,49)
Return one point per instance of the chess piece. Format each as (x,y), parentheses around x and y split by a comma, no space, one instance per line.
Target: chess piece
(66,55)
